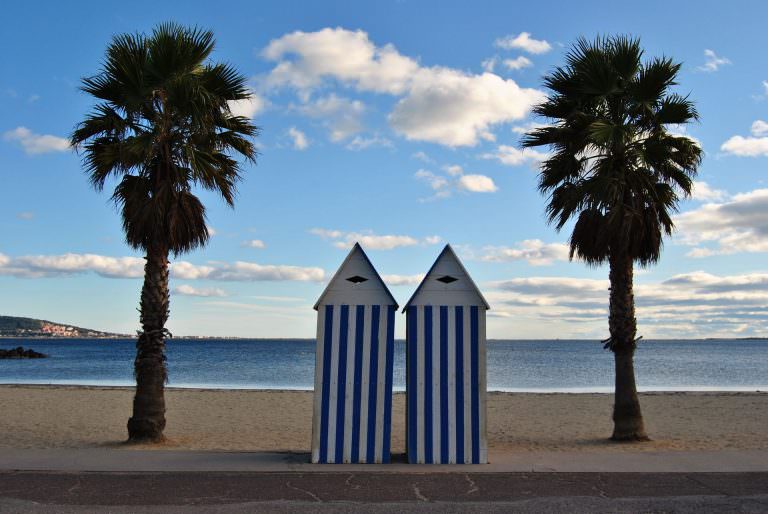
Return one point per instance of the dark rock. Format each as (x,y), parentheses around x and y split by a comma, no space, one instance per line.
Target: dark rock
(21,353)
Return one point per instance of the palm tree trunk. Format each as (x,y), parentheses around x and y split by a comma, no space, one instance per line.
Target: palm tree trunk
(627,417)
(148,420)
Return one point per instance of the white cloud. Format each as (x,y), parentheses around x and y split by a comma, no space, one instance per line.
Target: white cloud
(696,304)
(736,225)
(535,251)
(489,64)
(759,128)
(746,146)
(712,61)
(187,290)
(344,55)
(26,215)
(423,157)
(705,193)
(527,127)
(299,139)
(518,63)
(254,243)
(512,156)
(454,170)
(525,42)
(249,107)
(341,116)
(553,286)
(403,280)
(437,104)
(372,241)
(436,182)
(34,144)
(452,108)
(755,146)
(477,184)
(39,266)
(240,271)
(363,143)
(680,130)
(455,180)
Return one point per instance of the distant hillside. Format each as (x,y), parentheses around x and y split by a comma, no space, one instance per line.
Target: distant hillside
(11,326)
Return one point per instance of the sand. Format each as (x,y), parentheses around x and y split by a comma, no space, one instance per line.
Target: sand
(76,417)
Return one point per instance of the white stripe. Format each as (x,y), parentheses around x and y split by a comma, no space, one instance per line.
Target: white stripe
(436,384)
(420,385)
(349,393)
(451,384)
(334,385)
(381,384)
(365,380)
(467,384)
(481,372)
(316,411)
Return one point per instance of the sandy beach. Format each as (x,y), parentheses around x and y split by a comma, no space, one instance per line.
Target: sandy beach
(246,420)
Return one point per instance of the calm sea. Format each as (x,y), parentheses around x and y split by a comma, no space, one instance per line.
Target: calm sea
(545,366)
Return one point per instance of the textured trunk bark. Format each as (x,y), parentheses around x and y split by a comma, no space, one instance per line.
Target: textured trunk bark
(627,416)
(148,420)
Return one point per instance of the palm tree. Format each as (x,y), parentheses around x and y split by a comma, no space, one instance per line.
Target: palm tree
(162,125)
(618,171)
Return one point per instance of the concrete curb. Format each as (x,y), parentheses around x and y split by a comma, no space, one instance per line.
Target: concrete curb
(128,460)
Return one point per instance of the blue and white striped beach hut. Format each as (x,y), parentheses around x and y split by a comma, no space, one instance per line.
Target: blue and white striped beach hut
(353,366)
(445,367)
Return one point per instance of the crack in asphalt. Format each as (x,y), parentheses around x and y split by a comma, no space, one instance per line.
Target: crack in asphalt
(707,486)
(418,494)
(472,486)
(75,487)
(598,487)
(308,493)
(348,482)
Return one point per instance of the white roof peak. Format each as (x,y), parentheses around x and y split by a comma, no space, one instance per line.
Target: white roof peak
(356,282)
(447,283)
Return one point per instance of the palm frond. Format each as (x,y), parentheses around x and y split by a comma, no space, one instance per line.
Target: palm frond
(614,169)
(163,126)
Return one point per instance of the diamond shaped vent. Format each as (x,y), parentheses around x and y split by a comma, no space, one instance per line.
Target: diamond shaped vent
(447,279)
(357,279)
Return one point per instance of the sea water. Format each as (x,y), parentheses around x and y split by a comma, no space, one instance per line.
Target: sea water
(514,365)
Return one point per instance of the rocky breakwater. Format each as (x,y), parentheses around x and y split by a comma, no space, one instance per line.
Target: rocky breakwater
(20,353)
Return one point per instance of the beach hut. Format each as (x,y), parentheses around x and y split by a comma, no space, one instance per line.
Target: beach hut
(353,366)
(445,367)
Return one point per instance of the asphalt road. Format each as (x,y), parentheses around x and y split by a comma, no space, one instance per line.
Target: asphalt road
(44,492)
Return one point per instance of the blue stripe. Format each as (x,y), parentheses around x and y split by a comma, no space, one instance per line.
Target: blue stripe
(428,384)
(358,379)
(444,384)
(342,385)
(460,384)
(475,387)
(326,384)
(373,384)
(411,367)
(388,390)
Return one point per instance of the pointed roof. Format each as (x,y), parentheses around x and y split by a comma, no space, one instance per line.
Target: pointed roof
(356,282)
(447,283)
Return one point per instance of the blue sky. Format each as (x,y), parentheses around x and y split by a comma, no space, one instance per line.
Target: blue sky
(396,124)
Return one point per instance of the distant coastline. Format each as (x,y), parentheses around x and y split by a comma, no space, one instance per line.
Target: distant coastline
(13,327)
(30,328)
(122,337)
